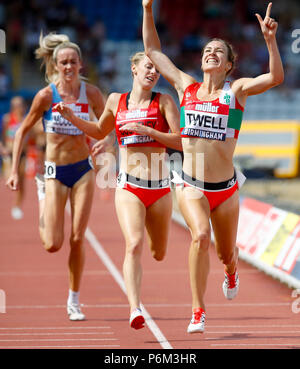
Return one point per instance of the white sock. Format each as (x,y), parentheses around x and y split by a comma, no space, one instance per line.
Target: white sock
(41,195)
(73,298)
(40,182)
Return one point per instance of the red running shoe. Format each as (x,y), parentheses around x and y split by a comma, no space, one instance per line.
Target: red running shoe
(197,323)
(137,320)
(231,285)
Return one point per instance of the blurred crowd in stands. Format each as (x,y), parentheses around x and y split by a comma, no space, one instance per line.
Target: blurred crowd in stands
(184,27)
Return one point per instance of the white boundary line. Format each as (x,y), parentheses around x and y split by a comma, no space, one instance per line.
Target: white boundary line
(119,306)
(59,347)
(98,248)
(51,328)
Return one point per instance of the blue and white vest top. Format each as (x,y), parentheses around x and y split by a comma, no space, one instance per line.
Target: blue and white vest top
(54,122)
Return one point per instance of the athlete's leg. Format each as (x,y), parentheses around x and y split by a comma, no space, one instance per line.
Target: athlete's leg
(20,193)
(52,210)
(81,198)
(131,213)
(225,223)
(158,218)
(195,210)
(16,211)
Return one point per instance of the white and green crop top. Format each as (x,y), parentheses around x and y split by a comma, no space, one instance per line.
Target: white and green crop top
(213,120)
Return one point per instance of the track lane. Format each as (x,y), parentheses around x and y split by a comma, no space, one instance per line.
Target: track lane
(36,285)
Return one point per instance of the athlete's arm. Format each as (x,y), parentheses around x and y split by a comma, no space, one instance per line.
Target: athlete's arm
(254,86)
(4,128)
(97,130)
(169,110)
(40,104)
(178,79)
(96,99)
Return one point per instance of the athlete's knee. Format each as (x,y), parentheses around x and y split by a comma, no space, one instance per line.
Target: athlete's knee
(52,240)
(201,239)
(52,246)
(159,254)
(134,247)
(76,242)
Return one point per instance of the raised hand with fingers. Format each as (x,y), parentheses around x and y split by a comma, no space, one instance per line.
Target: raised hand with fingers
(268,25)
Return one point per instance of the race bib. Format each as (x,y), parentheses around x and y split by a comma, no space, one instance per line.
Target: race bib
(206,120)
(50,169)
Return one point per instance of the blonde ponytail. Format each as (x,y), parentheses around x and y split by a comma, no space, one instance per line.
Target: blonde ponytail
(48,49)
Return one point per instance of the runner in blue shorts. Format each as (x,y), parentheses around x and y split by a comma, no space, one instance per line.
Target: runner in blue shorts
(68,166)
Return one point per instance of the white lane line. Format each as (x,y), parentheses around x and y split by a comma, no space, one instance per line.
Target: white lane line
(50,328)
(256,326)
(98,248)
(105,306)
(41,347)
(106,272)
(254,344)
(45,273)
(61,339)
(253,332)
(55,333)
(110,333)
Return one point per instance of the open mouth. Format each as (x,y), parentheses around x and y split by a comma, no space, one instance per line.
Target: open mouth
(211,60)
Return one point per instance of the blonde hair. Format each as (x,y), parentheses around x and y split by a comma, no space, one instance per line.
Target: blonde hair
(137,57)
(48,50)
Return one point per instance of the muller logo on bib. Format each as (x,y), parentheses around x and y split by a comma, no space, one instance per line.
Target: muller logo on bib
(209,107)
(136,114)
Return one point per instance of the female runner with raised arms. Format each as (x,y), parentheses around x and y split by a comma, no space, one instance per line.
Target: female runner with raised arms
(211,117)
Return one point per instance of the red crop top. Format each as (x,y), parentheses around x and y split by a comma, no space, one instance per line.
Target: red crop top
(150,116)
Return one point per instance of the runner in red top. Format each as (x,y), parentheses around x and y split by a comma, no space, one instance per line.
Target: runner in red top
(209,136)
(151,117)
(142,120)
(11,122)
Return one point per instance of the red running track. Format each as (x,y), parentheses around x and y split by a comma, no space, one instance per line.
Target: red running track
(35,284)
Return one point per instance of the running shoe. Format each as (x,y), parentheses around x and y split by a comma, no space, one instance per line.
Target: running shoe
(74,312)
(137,320)
(197,323)
(231,285)
(40,183)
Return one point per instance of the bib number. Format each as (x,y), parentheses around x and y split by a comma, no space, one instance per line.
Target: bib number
(50,169)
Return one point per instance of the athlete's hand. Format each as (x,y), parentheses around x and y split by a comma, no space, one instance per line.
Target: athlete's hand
(268,25)
(13,182)
(135,127)
(64,110)
(147,3)
(99,147)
